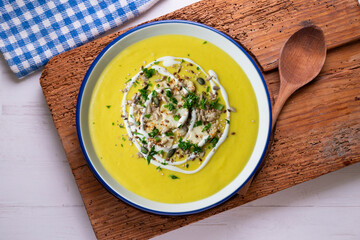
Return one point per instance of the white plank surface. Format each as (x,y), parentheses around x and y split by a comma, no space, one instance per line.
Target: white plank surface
(40,200)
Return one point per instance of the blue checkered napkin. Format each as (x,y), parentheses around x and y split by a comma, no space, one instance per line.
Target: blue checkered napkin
(33,31)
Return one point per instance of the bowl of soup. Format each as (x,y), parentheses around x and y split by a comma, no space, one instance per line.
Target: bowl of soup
(173,117)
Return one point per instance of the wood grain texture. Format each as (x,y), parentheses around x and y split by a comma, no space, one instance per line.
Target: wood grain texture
(314,136)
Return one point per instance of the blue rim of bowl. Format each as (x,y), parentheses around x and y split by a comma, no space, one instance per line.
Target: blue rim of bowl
(78,128)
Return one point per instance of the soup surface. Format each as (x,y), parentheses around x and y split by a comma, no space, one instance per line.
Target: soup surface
(162,118)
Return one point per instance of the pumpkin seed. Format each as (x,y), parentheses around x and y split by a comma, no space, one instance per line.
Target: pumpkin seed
(171,153)
(144,150)
(201,81)
(156,101)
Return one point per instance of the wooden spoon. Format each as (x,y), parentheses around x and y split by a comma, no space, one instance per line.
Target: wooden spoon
(301,59)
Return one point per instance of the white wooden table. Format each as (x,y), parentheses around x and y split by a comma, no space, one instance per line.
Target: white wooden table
(40,200)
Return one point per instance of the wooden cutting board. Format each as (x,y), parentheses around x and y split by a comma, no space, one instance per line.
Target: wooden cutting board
(318,130)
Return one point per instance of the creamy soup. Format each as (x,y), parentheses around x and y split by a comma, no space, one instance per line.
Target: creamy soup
(173,118)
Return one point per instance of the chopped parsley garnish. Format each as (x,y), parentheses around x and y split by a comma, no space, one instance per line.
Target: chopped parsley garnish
(176,117)
(189,146)
(168,93)
(147,115)
(144,93)
(203,103)
(214,141)
(131,116)
(184,145)
(158,85)
(207,89)
(154,93)
(161,152)
(197,68)
(124,139)
(215,104)
(205,42)
(122,145)
(108,106)
(143,141)
(159,168)
(191,100)
(227,121)
(196,148)
(182,60)
(156,62)
(136,133)
(154,132)
(157,139)
(169,79)
(170,106)
(151,154)
(113,123)
(128,81)
(187,165)
(169,134)
(121,126)
(219,106)
(173,176)
(198,123)
(148,72)
(164,163)
(137,123)
(207,127)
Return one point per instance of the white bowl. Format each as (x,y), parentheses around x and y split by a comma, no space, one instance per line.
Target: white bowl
(184,28)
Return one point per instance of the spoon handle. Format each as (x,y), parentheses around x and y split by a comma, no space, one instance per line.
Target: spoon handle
(285,91)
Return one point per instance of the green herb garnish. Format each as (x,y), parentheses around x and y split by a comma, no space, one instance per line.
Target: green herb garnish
(108,106)
(148,72)
(184,145)
(214,141)
(154,93)
(147,115)
(207,127)
(205,42)
(203,103)
(198,123)
(151,154)
(176,117)
(227,121)
(191,100)
(159,168)
(170,133)
(219,106)
(154,132)
(173,176)
(144,93)
(196,148)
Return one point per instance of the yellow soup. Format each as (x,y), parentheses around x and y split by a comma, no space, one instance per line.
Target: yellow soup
(120,156)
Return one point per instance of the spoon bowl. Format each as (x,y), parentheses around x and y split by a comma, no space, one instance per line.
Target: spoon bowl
(301,60)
